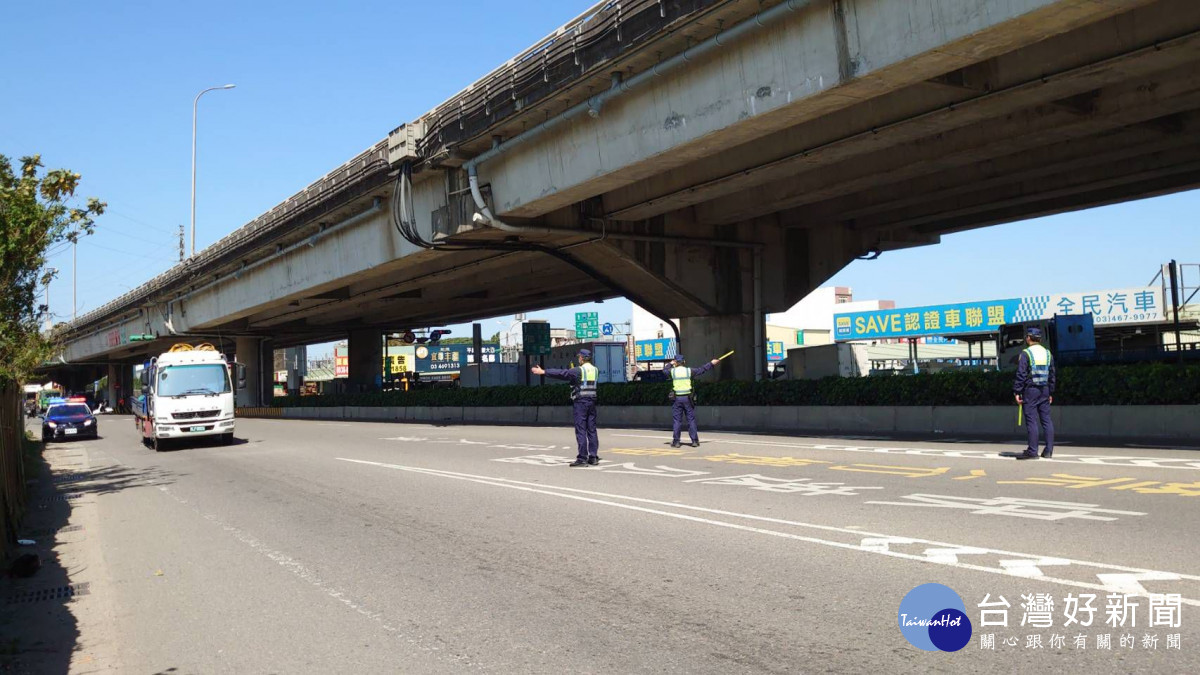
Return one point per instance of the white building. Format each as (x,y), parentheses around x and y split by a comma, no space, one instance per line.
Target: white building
(816,310)
(808,322)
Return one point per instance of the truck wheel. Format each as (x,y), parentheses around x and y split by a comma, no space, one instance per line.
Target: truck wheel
(156,443)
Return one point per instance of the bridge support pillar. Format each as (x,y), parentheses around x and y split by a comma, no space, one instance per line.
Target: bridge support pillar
(708,337)
(247,353)
(366,360)
(110,390)
(266,372)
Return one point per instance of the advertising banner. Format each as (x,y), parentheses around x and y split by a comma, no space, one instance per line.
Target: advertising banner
(1119,306)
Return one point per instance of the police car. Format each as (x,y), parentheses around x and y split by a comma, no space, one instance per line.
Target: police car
(69,419)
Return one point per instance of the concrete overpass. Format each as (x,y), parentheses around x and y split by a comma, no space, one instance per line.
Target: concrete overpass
(710,159)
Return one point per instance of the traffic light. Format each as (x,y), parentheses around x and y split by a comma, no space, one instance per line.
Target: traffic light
(437,335)
(140,338)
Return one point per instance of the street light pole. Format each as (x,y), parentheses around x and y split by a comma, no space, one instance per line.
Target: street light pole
(52,270)
(195,106)
(74,283)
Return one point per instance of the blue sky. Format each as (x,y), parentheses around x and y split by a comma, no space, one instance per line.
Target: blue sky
(105,89)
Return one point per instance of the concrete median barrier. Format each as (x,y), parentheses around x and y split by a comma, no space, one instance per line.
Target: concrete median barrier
(1153,424)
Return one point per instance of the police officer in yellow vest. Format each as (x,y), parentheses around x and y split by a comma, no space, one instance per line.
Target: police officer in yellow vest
(1034,389)
(681,392)
(583,396)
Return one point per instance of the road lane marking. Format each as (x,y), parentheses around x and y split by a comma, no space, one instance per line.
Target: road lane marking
(1096,460)
(1108,577)
(1018,507)
(1063,481)
(303,572)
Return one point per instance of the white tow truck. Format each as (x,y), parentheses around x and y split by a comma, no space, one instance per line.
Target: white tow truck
(188,392)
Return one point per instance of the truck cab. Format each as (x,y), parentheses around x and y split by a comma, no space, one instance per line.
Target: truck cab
(1070,337)
(188,392)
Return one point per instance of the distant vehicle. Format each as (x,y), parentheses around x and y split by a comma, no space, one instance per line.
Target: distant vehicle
(69,420)
(647,376)
(47,395)
(187,392)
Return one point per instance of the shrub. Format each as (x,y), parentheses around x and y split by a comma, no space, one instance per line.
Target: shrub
(1141,384)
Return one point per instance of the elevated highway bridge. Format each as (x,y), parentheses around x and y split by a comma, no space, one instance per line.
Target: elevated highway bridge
(710,159)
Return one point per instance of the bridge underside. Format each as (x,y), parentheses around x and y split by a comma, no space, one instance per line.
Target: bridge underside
(1081,103)
(1098,114)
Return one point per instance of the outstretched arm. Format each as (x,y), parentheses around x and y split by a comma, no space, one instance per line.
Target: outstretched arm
(568,374)
(705,368)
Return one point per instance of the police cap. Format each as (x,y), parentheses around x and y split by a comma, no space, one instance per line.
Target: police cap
(1035,333)
(585,353)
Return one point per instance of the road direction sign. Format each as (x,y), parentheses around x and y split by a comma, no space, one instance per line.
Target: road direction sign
(587,325)
(535,336)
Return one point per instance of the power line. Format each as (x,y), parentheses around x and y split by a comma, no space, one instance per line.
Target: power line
(161,228)
(137,255)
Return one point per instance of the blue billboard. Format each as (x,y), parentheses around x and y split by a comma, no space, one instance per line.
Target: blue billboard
(775,351)
(1120,306)
(662,349)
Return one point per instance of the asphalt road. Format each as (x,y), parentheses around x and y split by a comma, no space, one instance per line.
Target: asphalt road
(322,547)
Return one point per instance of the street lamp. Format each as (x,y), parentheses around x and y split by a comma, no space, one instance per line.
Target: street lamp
(195,104)
(52,270)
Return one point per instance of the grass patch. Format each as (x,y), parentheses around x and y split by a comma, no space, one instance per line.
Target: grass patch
(31,454)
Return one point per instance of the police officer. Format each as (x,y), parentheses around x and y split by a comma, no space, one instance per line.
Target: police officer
(681,391)
(1034,388)
(583,393)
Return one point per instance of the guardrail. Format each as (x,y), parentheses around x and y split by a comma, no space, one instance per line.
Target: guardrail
(593,39)
(252,234)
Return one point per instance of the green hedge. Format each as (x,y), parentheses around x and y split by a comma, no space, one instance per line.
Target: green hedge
(1143,384)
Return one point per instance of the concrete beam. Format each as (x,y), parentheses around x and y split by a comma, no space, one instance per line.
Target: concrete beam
(808,66)
(1166,93)
(1062,69)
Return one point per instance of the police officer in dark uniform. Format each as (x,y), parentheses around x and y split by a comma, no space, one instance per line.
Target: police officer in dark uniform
(1034,389)
(681,393)
(583,393)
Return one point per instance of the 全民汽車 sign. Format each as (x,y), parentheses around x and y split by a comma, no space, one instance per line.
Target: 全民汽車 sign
(1119,306)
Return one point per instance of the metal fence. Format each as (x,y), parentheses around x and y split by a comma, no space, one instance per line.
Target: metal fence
(12,467)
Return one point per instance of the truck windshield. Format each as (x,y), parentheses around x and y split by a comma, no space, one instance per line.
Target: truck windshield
(211,378)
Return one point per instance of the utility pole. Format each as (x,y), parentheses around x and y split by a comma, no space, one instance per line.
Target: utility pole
(1174,278)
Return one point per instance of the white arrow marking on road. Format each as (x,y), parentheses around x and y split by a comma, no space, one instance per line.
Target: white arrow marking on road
(949,556)
(1129,584)
(1025,567)
(880,544)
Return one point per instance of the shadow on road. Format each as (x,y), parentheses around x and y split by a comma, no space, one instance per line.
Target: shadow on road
(39,632)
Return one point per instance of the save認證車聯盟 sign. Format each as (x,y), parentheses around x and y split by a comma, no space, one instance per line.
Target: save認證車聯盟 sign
(1120,306)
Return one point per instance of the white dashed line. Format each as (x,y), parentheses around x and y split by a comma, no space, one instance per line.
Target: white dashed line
(1091,575)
